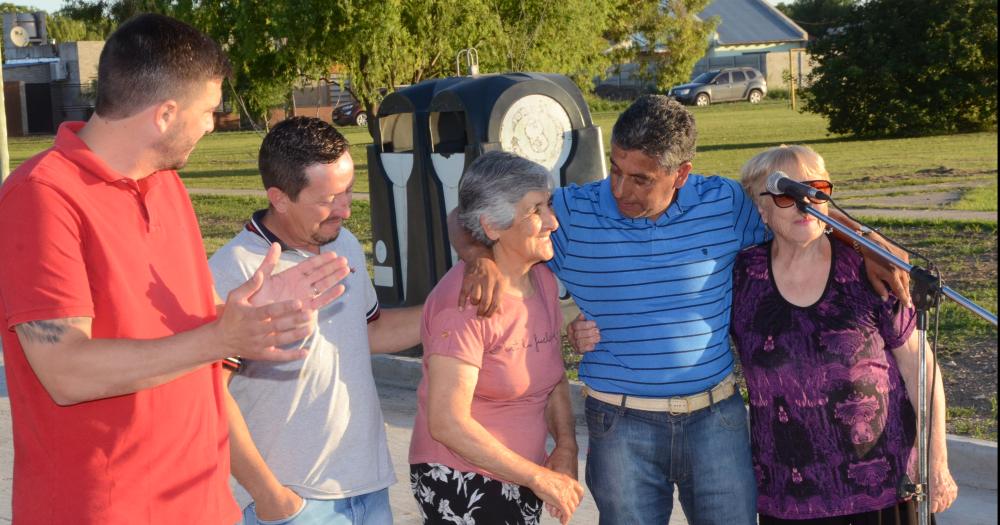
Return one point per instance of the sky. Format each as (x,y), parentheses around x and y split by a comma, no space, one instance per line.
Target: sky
(45,5)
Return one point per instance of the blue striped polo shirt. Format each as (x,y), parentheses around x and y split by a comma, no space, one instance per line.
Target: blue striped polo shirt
(660,291)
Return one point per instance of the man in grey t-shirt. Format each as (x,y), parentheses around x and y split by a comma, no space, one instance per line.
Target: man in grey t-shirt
(307,437)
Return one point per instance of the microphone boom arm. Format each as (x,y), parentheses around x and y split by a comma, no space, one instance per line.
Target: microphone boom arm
(914,271)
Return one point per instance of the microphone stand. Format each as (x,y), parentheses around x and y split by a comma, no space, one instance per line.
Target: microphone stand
(926,289)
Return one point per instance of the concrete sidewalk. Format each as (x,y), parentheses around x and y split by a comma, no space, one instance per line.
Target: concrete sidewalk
(974,462)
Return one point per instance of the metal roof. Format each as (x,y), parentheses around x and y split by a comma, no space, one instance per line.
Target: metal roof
(751,22)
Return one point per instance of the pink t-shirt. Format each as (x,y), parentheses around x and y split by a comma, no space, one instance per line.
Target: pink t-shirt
(517,351)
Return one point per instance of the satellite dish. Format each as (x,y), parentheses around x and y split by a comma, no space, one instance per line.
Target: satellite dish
(19,36)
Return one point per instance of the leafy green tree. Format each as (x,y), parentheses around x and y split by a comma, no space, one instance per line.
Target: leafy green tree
(66,29)
(272,45)
(565,36)
(908,67)
(404,41)
(665,38)
(818,17)
(381,44)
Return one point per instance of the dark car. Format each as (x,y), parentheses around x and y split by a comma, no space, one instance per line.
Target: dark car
(722,85)
(349,114)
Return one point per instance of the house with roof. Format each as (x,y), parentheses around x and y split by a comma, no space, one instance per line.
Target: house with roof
(754,33)
(750,33)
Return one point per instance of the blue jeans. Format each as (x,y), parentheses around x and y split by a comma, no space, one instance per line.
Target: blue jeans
(367,509)
(636,457)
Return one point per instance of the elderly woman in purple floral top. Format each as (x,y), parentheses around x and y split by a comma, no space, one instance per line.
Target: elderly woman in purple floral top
(830,368)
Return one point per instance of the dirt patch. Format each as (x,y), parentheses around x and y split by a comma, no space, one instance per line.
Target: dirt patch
(929,175)
(934,199)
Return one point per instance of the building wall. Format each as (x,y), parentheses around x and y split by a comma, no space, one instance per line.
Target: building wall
(17,117)
(88,54)
(75,93)
(29,74)
(71,76)
(770,59)
(778,64)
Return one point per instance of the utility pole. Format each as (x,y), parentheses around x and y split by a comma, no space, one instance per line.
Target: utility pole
(4,153)
(793,79)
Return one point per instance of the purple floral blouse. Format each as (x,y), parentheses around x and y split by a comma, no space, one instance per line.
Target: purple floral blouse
(831,425)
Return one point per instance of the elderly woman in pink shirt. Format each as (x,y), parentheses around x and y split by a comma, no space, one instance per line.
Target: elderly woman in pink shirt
(495,387)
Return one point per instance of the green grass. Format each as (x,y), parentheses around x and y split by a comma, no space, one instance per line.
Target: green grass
(221,160)
(966,421)
(965,252)
(978,199)
(728,135)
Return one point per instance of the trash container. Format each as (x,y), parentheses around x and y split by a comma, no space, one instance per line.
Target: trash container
(402,271)
(542,117)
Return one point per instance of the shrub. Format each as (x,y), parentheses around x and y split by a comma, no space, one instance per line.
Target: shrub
(908,67)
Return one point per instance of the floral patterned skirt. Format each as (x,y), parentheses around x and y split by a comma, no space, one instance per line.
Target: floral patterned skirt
(445,495)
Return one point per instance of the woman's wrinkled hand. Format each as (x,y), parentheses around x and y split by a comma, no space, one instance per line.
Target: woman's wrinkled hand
(944,490)
(561,493)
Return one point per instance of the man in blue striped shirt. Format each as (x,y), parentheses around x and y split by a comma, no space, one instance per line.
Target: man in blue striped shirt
(647,254)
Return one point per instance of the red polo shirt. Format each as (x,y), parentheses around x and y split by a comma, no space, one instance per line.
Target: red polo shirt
(80,240)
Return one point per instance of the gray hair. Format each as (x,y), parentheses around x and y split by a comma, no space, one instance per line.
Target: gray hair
(492,186)
(659,127)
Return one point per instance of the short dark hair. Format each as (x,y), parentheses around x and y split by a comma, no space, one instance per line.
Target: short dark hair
(292,146)
(152,58)
(660,127)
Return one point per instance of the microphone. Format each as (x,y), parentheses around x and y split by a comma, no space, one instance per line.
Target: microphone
(781,184)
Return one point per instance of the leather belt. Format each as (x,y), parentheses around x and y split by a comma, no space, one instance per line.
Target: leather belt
(672,405)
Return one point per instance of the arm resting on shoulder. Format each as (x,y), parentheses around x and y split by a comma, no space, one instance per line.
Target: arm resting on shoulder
(879,271)
(395,330)
(481,284)
(943,487)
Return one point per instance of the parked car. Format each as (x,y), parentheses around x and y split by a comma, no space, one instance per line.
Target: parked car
(722,85)
(349,114)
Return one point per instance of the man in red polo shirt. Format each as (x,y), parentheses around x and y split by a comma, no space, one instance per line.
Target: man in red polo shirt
(114,338)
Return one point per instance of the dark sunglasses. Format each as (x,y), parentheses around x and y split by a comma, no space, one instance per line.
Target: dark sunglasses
(787,201)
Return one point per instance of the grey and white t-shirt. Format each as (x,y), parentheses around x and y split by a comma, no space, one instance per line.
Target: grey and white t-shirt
(317,422)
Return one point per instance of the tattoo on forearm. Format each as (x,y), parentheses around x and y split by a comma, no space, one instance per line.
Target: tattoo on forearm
(46,332)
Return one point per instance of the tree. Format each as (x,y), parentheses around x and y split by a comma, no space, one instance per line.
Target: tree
(564,36)
(404,41)
(382,44)
(60,28)
(65,29)
(665,38)
(272,45)
(818,17)
(908,67)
